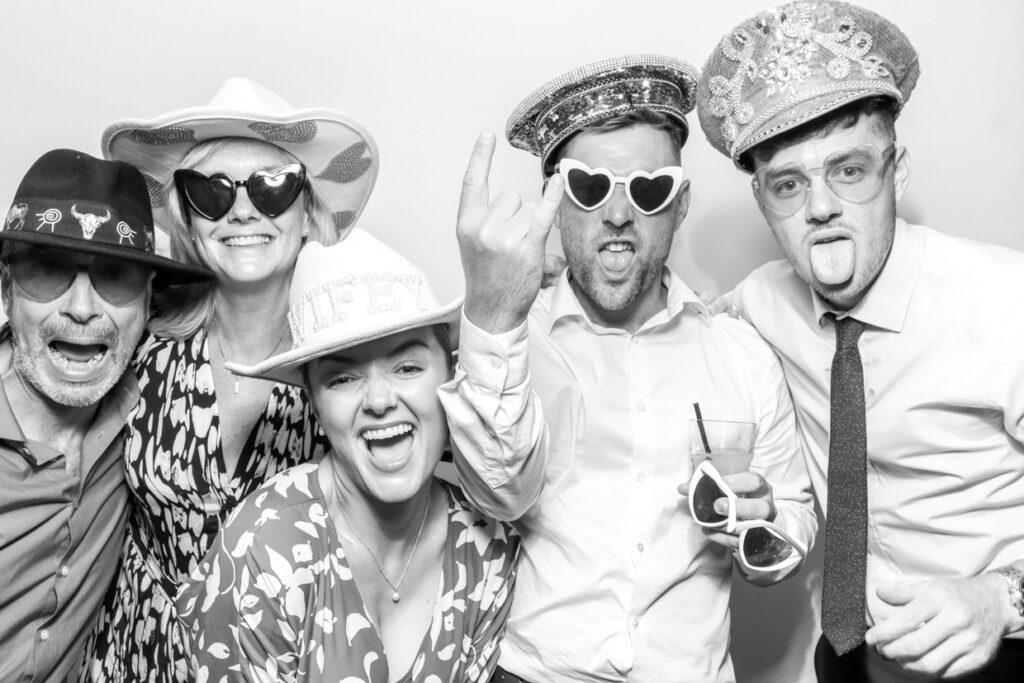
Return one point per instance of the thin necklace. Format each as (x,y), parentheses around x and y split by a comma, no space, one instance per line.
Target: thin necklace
(395,596)
(224,357)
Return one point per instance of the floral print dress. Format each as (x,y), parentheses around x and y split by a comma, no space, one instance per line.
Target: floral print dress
(175,470)
(275,600)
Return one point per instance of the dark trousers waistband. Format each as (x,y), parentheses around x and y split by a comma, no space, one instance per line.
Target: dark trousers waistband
(865,665)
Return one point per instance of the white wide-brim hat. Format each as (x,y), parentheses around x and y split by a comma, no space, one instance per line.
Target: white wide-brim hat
(347,294)
(339,154)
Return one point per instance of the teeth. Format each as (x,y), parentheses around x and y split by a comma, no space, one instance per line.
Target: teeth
(387,432)
(617,246)
(246,240)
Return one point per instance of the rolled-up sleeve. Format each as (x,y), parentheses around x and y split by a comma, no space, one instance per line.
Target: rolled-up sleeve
(499,437)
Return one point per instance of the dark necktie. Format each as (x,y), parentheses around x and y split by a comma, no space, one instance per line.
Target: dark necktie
(846,525)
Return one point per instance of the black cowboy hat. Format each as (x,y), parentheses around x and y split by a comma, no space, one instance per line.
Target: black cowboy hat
(70,200)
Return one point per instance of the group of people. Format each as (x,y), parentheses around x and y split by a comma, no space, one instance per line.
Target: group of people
(219,464)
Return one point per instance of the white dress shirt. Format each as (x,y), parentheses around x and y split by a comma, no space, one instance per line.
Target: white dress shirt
(943,356)
(616,582)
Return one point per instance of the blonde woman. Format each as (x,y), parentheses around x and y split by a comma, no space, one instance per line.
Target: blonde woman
(240,185)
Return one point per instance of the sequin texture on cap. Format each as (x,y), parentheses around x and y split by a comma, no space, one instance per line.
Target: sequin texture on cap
(595,92)
(794,63)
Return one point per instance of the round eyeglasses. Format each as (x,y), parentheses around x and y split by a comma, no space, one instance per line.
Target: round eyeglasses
(855,175)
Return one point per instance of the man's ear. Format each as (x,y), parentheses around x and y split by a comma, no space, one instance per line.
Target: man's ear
(901,174)
(684,202)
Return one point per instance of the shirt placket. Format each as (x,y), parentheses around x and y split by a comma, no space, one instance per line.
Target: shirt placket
(641,464)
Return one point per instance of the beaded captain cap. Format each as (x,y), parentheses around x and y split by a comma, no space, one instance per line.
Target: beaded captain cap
(590,94)
(795,63)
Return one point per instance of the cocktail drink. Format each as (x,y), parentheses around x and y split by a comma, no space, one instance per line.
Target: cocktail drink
(728,444)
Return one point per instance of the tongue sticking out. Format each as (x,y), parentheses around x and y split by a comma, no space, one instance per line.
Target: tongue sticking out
(832,262)
(615,260)
(77,352)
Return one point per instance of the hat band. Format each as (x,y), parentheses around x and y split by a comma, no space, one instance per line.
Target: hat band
(78,219)
(361,299)
(604,101)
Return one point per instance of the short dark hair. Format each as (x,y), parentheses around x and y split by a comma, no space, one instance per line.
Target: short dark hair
(847,116)
(637,117)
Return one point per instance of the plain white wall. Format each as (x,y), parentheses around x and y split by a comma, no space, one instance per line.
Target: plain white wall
(425,77)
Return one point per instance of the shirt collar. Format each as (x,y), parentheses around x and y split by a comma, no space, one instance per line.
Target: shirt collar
(564,303)
(887,301)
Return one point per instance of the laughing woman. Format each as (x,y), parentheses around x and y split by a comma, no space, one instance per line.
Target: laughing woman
(240,185)
(362,566)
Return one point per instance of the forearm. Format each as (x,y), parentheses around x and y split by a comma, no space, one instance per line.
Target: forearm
(496,423)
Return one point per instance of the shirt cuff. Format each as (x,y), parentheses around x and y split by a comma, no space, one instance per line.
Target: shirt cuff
(494,361)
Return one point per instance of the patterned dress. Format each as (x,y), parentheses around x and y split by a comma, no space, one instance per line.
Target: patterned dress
(275,599)
(181,494)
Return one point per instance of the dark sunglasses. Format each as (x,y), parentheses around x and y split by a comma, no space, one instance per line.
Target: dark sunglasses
(271,192)
(45,274)
(763,546)
(590,188)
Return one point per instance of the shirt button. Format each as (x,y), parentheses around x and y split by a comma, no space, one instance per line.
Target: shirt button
(44,635)
(636,622)
(641,477)
(640,547)
(64,571)
(495,363)
(641,407)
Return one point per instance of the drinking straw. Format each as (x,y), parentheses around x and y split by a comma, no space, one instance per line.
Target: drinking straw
(700,426)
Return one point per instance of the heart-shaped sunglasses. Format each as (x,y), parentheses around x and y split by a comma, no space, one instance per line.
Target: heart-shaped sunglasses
(271,192)
(648,193)
(763,546)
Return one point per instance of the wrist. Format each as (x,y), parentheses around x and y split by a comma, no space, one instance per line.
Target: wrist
(1010,584)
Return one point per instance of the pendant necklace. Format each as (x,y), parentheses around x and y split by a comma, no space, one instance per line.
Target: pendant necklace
(224,358)
(395,596)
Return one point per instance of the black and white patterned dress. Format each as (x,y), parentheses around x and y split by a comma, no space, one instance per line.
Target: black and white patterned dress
(175,470)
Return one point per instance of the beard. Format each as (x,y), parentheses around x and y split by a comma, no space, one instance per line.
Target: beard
(33,360)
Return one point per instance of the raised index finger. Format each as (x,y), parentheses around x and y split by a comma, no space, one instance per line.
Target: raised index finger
(474,199)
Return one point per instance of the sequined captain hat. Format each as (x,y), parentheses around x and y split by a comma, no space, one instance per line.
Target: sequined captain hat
(351,293)
(588,95)
(792,64)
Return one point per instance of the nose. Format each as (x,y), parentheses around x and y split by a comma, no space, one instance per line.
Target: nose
(242,210)
(822,203)
(81,302)
(379,397)
(617,211)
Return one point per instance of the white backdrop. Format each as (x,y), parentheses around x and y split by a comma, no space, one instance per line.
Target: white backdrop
(425,77)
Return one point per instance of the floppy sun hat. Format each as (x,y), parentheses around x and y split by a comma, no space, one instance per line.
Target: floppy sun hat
(339,154)
(347,294)
(70,200)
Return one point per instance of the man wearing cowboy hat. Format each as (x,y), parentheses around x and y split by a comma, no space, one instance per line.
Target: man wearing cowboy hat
(76,271)
(617,581)
(901,346)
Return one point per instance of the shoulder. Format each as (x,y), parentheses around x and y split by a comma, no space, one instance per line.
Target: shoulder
(978,264)
(286,498)
(474,528)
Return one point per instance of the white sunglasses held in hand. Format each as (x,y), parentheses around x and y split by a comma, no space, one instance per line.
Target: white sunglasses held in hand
(763,546)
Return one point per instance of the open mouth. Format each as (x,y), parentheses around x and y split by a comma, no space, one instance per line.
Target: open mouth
(76,357)
(616,256)
(833,259)
(247,240)
(390,447)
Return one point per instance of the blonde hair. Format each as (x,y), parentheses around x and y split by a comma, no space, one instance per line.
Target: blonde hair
(183,310)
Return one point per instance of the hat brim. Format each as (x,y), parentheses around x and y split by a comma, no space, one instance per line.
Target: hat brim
(794,112)
(287,367)
(168,271)
(339,154)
